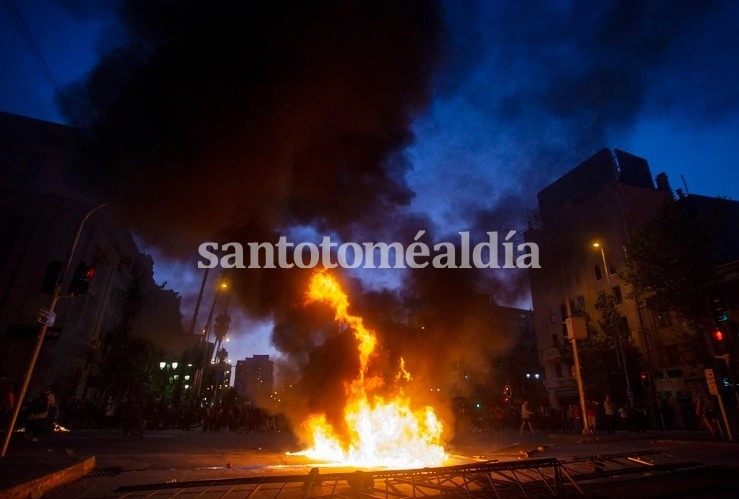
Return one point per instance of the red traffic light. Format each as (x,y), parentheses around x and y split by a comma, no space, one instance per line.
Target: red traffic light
(717,335)
(646,383)
(81,279)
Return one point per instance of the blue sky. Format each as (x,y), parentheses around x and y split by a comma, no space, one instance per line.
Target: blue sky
(519,100)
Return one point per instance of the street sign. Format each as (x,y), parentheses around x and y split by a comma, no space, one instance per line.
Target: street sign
(711,380)
(46,316)
(576,328)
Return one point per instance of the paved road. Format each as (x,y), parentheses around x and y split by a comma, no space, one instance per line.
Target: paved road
(176,456)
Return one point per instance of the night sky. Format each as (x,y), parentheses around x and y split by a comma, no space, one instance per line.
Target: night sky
(471,118)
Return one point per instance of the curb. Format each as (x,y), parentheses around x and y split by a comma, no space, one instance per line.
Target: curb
(38,486)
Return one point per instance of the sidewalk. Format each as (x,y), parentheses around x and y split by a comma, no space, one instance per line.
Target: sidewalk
(27,476)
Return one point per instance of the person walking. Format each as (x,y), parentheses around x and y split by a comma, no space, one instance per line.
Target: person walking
(38,411)
(526,417)
(51,410)
(609,409)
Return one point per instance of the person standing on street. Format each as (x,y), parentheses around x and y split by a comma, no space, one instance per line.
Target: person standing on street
(526,417)
(609,408)
(51,411)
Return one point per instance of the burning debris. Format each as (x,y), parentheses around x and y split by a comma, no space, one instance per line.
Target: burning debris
(285,118)
(379,431)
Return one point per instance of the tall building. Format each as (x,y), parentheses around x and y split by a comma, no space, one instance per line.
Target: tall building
(218,381)
(254,379)
(40,213)
(601,201)
(586,221)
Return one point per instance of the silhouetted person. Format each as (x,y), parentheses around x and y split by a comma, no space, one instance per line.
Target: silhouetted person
(526,417)
(609,410)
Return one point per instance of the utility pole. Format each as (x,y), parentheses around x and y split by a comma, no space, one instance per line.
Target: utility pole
(576,357)
(42,331)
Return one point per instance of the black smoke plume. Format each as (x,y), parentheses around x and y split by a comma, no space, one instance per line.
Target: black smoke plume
(211,123)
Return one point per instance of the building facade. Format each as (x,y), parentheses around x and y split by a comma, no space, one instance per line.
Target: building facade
(600,202)
(585,224)
(255,379)
(40,213)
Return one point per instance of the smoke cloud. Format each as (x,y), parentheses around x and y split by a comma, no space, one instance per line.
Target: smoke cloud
(206,124)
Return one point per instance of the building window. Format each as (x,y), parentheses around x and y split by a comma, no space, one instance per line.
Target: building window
(555,340)
(617,294)
(580,302)
(598,273)
(558,369)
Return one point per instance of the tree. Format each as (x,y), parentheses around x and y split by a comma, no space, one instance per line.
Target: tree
(614,328)
(131,362)
(220,328)
(670,263)
(669,260)
(221,355)
(601,364)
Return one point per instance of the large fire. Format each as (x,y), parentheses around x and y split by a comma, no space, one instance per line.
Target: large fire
(385,433)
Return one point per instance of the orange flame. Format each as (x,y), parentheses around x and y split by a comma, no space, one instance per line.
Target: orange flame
(382,432)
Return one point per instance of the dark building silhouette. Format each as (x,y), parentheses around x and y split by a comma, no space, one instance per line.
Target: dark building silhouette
(40,211)
(255,380)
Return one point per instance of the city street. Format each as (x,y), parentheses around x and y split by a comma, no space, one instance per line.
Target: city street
(173,456)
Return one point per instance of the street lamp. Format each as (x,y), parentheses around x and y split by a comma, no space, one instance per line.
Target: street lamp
(629,393)
(605,265)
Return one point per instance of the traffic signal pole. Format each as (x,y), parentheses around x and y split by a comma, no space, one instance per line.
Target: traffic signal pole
(42,332)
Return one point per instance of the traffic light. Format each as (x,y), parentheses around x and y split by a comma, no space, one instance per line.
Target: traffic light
(81,279)
(718,340)
(646,381)
(507,393)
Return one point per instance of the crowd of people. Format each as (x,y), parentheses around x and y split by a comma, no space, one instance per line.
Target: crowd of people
(133,414)
(606,416)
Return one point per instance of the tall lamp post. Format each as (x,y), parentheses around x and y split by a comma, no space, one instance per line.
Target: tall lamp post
(42,330)
(206,336)
(629,393)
